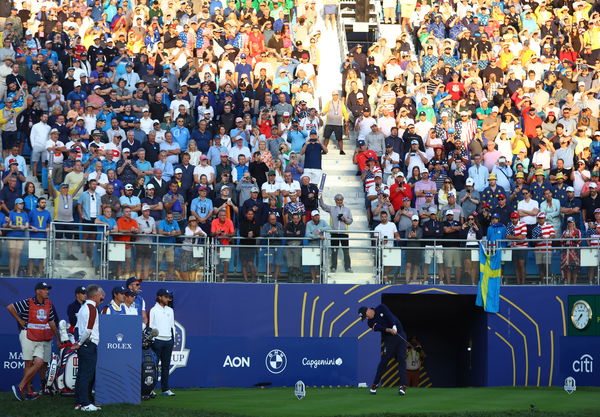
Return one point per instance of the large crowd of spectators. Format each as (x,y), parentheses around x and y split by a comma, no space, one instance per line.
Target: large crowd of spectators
(168,120)
(480,121)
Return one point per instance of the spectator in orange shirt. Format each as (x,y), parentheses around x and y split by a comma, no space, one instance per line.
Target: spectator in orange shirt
(129,227)
(222,228)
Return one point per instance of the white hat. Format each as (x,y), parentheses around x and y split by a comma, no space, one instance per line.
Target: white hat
(593,185)
(470,181)
(449,213)
(144,109)
(360,95)
(126,150)
(414,217)
(570,189)
(444,114)
(150,187)
(495,109)
(314,213)
(146,206)
(424,171)
(178,171)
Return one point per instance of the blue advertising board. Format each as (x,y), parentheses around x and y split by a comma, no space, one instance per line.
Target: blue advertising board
(246,362)
(119,364)
(580,359)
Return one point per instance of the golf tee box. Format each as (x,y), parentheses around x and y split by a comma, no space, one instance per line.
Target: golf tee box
(119,363)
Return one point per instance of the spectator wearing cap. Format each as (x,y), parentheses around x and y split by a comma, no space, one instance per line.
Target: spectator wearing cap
(336,120)
(415,157)
(127,229)
(364,122)
(469,198)
(36,319)
(13,171)
(585,190)
(400,190)
(313,151)
(453,257)
(315,233)
(131,201)
(127,170)
(571,206)
(63,202)
(146,225)
(590,203)
(9,123)
(491,193)
(153,200)
(423,186)
(17,223)
(503,173)
(541,233)
(496,230)
(375,140)
(432,230)
(55,149)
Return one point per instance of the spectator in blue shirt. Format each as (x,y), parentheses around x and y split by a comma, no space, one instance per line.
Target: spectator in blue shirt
(168,229)
(181,134)
(18,223)
(39,224)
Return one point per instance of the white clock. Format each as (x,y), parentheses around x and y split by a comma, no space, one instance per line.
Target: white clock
(581,314)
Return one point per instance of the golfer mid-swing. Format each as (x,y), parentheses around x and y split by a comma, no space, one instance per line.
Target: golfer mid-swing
(381,319)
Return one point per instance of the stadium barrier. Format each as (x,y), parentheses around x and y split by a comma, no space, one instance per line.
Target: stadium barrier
(80,252)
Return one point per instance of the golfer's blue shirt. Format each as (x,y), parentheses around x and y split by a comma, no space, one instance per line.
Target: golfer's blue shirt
(385,319)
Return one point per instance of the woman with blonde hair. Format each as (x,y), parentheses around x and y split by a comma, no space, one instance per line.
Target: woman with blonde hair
(194,152)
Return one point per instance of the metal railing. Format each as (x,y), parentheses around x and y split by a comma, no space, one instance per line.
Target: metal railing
(91,251)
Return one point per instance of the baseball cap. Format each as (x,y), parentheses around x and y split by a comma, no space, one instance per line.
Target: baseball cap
(432,210)
(131,280)
(178,171)
(362,312)
(496,216)
(146,206)
(449,213)
(501,197)
(539,172)
(129,187)
(514,215)
(414,142)
(570,220)
(593,185)
(495,109)
(519,175)
(271,172)
(414,217)
(492,176)
(254,190)
(570,189)
(163,292)
(126,150)
(19,201)
(378,174)
(80,290)
(42,285)
(470,181)
(315,213)
(119,290)
(150,187)
(541,214)
(361,143)
(313,132)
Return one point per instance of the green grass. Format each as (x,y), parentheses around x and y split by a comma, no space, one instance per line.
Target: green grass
(276,402)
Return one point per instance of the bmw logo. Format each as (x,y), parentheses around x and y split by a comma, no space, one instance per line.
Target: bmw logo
(276,361)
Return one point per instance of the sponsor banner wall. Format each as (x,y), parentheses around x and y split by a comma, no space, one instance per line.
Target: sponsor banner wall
(246,362)
(241,320)
(580,359)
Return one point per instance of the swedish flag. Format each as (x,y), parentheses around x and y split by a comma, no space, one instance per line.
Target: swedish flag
(488,289)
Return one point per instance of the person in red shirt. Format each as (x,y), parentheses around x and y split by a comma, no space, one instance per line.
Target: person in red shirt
(128,226)
(399,190)
(222,228)
(362,155)
(455,88)
(530,121)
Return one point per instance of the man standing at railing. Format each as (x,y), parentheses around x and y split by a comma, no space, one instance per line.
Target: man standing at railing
(18,223)
(542,233)
(433,229)
(39,223)
(340,219)
(516,231)
(315,232)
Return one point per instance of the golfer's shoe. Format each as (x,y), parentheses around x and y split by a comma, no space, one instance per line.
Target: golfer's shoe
(18,392)
(152,394)
(77,407)
(373,389)
(168,393)
(402,390)
(90,407)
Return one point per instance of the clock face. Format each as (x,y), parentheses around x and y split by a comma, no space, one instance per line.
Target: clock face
(581,314)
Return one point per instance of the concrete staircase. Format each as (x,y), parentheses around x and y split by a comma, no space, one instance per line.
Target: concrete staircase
(340,169)
(81,267)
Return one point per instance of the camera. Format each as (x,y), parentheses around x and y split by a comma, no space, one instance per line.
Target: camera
(339,216)
(418,348)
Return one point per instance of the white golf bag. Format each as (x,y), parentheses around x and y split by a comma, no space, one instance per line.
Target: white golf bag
(62,369)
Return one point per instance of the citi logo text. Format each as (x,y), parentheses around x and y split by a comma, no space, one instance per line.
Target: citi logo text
(584,364)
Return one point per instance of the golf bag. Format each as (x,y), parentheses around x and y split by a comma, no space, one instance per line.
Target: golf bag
(149,363)
(62,369)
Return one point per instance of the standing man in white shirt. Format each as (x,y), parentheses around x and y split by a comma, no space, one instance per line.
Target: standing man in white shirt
(39,136)
(162,318)
(87,347)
